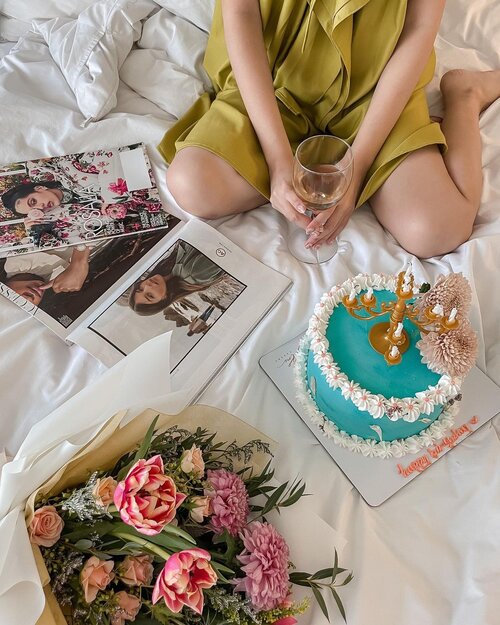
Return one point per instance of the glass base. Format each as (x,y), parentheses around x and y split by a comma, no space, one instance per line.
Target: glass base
(296,240)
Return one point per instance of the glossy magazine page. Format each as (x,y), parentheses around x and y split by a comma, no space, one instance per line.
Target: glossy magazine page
(75,199)
(63,287)
(197,284)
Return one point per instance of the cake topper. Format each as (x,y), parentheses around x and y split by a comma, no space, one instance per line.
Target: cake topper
(448,344)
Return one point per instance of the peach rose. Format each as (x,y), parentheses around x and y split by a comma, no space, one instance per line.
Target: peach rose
(128,607)
(136,570)
(45,527)
(192,461)
(201,508)
(95,575)
(104,490)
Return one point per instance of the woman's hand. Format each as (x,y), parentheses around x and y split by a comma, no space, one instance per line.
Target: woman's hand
(72,278)
(327,225)
(285,200)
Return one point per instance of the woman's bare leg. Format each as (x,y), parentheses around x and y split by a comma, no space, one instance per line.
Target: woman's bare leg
(207,186)
(430,201)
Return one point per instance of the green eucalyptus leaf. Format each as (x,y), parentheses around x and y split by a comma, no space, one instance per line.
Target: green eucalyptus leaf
(321,602)
(294,497)
(141,452)
(348,579)
(322,574)
(273,499)
(338,602)
(84,544)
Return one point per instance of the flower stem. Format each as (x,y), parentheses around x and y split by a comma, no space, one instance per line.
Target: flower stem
(143,543)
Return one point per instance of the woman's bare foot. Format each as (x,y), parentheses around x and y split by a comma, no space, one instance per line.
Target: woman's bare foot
(482,88)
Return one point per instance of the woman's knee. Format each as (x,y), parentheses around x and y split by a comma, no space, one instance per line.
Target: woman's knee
(425,236)
(191,181)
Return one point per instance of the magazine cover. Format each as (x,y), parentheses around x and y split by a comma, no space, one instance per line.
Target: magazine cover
(52,203)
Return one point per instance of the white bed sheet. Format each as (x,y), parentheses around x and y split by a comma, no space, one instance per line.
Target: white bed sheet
(431,554)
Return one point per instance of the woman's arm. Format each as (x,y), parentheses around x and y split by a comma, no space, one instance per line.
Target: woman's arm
(395,86)
(247,54)
(398,79)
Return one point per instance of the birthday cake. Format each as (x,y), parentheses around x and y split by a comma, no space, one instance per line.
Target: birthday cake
(381,365)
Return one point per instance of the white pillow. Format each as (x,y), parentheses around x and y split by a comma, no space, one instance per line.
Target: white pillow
(152,75)
(183,43)
(90,50)
(198,12)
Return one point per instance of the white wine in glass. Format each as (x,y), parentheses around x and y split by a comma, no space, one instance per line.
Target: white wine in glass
(319,191)
(322,173)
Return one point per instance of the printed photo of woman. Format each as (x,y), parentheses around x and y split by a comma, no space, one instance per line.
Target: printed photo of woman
(184,291)
(183,272)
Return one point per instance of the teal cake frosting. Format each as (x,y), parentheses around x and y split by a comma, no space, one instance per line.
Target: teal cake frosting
(353,395)
(348,342)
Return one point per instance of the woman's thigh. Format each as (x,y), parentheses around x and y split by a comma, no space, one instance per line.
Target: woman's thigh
(422,208)
(207,186)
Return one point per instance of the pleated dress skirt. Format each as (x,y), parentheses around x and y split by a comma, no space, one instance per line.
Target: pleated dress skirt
(326,57)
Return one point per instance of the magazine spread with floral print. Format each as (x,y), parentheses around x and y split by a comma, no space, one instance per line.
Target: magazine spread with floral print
(118,293)
(73,200)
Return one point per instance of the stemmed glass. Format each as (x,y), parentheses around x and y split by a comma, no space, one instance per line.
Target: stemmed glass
(322,173)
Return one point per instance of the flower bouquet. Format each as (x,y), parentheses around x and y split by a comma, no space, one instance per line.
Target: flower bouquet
(174,532)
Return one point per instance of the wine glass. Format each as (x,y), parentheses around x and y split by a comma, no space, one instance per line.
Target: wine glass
(322,173)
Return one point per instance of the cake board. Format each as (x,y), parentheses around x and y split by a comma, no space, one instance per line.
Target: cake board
(377,479)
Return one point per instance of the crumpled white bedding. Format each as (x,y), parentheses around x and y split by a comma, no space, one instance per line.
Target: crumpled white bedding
(431,554)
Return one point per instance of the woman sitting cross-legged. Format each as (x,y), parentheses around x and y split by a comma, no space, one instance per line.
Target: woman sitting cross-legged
(289,69)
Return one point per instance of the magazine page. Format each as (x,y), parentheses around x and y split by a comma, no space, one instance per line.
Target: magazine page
(203,288)
(64,287)
(53,203)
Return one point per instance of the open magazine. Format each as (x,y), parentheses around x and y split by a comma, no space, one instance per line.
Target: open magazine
(75,199)
(191,280)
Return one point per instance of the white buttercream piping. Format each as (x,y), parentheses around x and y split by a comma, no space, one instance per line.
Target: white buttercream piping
(367,447)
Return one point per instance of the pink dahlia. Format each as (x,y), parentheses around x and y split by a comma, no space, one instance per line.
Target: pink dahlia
(228,501)
(265,562)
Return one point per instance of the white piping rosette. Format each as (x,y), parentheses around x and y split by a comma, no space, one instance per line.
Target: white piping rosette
(406,408)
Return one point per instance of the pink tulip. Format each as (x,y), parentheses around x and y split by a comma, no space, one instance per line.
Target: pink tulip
(183,579)
(147,499)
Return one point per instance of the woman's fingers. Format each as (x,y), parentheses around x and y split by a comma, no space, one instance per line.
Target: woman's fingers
(295,217)
(332,230)
(319,221)
(295,201)
(335,222)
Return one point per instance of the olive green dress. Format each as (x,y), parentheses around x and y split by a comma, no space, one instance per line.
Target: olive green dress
(326,57)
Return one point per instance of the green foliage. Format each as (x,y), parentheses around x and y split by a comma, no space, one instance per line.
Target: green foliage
(317,586)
